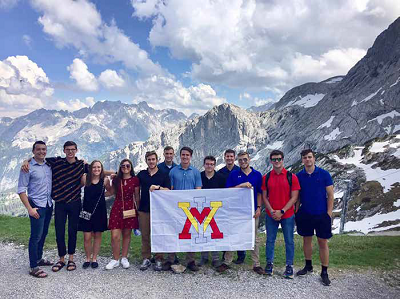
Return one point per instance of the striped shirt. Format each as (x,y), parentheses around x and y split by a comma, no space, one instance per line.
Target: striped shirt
(66,179)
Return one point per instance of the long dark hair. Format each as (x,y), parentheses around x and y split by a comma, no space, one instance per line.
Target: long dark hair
(119,176)
(89,175)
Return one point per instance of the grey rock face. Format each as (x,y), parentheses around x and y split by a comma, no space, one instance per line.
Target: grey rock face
(105,127)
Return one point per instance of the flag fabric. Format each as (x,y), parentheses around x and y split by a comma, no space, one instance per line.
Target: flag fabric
(202,220)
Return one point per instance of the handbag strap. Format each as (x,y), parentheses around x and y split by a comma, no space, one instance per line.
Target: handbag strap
(133,197)
(101,194)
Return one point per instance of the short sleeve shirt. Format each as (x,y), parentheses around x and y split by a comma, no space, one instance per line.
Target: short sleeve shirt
(224,171)
(237,177)
(146,180)
(217,181)
(313,196)
(279,191)
(185,179)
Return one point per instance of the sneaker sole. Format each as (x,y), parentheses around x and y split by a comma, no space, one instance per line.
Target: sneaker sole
(288,276)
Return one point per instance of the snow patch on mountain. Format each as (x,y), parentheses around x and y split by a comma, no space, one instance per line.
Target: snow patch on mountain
(380,118)
(355,102)
(333,80)
(332,136)
(372,172)
(328,123)
(307,101)
(370,224)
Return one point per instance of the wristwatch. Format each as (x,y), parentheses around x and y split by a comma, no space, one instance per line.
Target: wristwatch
(282,212)
(258,207)
(159,187)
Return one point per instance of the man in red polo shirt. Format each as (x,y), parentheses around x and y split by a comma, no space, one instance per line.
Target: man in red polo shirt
(280,191)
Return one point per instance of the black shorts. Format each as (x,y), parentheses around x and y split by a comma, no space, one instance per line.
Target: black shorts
(307,224)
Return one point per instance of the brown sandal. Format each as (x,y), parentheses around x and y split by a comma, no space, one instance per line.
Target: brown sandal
(38,273)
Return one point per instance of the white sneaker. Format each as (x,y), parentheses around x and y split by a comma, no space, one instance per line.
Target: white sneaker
(112,264)
(125,263)
(146,264)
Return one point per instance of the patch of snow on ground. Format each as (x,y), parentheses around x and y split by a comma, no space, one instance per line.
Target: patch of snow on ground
(385,177)
(380,118)
(332,136)
(336,225)
(339,194)
(397,203)
(379,147)
(369,224)
(327,124)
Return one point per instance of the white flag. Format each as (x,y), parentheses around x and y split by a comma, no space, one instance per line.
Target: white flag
(202,220)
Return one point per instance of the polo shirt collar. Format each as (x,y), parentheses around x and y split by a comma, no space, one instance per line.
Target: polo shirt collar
(190,167)
(284,171)
(316,170)
(252,170)
(34,162)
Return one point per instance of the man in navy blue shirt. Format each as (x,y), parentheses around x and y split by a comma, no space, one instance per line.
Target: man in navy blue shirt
(211,179)
(230,157)
(168,163)
(315,213)
(247,177)
(34,190)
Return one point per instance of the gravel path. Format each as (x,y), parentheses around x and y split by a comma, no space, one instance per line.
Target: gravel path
(133,283)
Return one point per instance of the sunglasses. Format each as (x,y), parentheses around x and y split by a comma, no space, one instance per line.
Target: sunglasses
(127,166)
(276,159)
(244,160)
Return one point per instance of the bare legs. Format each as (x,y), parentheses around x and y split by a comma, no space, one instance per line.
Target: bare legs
(323,250)
(92,249)
(116,242)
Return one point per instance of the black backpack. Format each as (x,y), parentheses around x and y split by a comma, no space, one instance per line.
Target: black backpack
(289,176)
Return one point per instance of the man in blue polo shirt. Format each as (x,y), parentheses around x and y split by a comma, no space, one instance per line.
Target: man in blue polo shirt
(184,177)
(247,177)
(34,190)
(315,213)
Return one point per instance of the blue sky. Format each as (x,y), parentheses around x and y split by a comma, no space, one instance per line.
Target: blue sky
(187,55)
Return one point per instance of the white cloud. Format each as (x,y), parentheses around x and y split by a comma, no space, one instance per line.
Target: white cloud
(161,92)
(327,65)
(249,100)
(8,4)
(79,24)
(110,79)
(264,44)
(27,40)
(75,104)
(80,73)
(24,86)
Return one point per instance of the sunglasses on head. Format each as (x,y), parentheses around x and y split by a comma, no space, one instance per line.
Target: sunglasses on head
(125,166)
(276,159)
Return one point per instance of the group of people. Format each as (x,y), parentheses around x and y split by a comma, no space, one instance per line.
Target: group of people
(304,199)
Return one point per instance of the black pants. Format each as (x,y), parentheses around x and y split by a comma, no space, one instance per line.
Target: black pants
(62,212)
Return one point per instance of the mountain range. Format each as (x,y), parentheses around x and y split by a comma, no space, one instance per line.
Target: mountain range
(344,118)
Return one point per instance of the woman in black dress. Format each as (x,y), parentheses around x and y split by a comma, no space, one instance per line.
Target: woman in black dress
(94,203)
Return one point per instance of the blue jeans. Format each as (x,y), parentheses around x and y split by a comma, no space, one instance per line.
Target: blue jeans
(288,233)
(39,229)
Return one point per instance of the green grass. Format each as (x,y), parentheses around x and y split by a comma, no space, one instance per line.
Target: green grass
(346,252)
